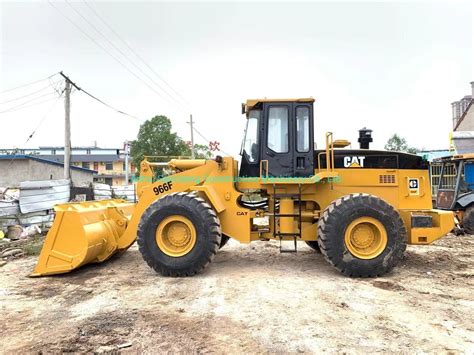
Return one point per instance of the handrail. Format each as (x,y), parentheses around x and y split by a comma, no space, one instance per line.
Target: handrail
(329,152)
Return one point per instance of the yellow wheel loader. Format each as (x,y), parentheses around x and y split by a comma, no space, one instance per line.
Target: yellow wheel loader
(358,207)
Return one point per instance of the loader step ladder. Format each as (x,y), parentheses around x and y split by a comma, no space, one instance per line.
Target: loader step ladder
(276,218)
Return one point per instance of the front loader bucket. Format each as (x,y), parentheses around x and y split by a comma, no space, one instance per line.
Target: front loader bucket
(83,233)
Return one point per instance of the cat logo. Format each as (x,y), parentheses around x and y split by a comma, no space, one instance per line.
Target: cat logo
(413,186)
(354,162)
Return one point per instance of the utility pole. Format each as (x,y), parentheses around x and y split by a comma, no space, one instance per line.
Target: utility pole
(67,125)
(126,162)
(67,130)
(192,136)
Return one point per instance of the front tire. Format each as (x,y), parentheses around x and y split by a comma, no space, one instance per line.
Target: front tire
(361,235)
(179,235)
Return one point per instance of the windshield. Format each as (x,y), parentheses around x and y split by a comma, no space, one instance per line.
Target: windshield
(250,143)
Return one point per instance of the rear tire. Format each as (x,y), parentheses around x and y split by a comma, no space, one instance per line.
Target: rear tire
(468,220)
(362,235)
(313,244)
(206,234)
(224,241)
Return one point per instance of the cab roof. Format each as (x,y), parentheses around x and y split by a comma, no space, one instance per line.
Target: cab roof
(251,103)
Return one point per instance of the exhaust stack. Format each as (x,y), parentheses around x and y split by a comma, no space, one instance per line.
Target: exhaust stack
(365,138)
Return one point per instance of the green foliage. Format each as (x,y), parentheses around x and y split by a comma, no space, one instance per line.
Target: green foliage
(201,151)
(399,144)
(155,138)
(34,245)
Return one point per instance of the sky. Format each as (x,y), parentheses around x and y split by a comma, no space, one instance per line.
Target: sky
(394,67)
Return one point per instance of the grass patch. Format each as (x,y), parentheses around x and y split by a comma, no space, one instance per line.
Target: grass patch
(34,245)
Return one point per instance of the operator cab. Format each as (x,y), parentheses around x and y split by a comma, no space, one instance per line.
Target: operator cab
(279,138)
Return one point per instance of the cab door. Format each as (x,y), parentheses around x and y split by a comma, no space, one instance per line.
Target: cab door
(277,143)
(287,144)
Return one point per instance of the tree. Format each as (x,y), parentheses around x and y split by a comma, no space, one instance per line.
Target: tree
(399,144)
(201,151)
(155,138)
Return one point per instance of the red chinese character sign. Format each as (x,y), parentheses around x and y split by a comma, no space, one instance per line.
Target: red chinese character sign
(214,146)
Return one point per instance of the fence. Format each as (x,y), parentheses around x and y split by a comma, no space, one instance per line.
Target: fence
(33,203)
(43,195)
(449,177)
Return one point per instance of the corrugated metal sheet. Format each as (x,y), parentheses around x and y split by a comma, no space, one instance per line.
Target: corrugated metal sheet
(40,218)
(102,191)
(127,192)
(9,208)
(43,195)
(43,219)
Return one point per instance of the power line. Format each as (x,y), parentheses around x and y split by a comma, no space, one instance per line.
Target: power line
(57,86)
(104,49)
(141,59)
(134,52)
(21,106)
(34,131)
(144,62)
(207,140)
(111,107)
(27,95)
(44,117)
(121,52)
(34,82)
(97,99)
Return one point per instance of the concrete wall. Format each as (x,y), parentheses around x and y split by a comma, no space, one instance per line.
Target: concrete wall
(12,172)
(467,124)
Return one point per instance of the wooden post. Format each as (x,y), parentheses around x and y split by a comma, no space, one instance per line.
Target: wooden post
(67,130)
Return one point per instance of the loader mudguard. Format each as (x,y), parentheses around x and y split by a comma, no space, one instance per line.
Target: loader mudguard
(180,182)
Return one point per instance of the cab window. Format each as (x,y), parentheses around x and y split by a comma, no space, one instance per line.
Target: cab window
(302,129)
(277,139)
(250,145)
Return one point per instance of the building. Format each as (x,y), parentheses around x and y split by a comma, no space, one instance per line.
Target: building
(463,123)
(17,168)
(107,163)
(463,112)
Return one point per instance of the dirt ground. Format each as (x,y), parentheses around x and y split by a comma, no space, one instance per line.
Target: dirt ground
(250,299)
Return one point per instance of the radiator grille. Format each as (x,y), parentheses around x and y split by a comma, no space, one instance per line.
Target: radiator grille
(387,179)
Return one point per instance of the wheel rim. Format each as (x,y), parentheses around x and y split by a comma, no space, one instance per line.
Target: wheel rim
(365,238)
(176,236)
